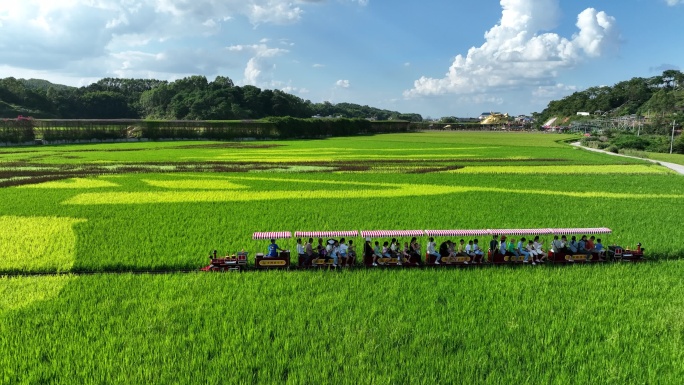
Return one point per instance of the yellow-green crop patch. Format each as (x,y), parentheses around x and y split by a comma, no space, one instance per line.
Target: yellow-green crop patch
(195,184)
(20,292)
(74,183)
(37,243)
(575,169)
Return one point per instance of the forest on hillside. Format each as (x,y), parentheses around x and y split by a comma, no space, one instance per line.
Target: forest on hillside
(660,98)
(190,98)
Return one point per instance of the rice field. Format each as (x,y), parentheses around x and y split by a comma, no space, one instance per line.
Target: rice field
(125,207)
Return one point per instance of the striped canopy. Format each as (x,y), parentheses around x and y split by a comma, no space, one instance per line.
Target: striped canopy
(456,233)
(391,233)
(272,235)
(520,231)
(326,234)
(579,230)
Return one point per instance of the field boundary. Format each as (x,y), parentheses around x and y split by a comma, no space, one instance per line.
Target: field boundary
(679,169)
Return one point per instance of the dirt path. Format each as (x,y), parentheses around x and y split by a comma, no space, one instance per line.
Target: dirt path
(672,166)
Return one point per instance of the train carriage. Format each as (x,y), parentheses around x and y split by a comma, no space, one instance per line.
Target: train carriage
(319,262)
(578,257)
(457,260)
(508,257)
(399,259)
(282,261)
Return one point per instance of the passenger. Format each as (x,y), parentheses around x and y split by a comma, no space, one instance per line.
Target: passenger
(583,247)
(533,253)
(367,250)
(394,248)
(377,253)
(512,249)
(494,245)
(566,247)
(522,251)
(334,252)
(351,253)
(320,249)
(598,247)
(503,246)
(573,246)
(310,255)
(431,250)
(342,249)
(273,249)
(539,249)
(415,252)
(405,253)
(469,251)
(445,249)
(386,250)
(460,250)
(301,253)
(479,254)
(590,243)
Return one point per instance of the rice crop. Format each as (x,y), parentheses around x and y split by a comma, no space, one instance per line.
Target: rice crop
(612,324)
(589,169)
(37,243)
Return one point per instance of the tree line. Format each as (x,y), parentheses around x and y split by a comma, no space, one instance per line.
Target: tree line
(190,98)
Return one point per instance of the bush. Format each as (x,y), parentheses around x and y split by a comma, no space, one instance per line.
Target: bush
(613,148)
(632,142)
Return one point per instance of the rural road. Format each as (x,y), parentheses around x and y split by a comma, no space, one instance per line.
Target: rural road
(672,166)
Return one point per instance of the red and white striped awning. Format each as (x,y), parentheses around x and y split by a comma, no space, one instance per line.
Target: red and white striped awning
(326,234)
(520,231)
(391,233)
(456,233)
(272,235)
(579,230)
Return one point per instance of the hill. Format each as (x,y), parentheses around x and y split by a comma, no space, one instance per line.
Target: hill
(656,97)
(190,98)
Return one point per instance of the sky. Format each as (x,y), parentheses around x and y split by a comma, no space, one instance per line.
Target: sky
(432,57)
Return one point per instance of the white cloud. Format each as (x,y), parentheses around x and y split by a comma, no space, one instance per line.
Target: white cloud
(61,36)
(317,65)
(672,3)
(259,63)
(515,52)
(342,83)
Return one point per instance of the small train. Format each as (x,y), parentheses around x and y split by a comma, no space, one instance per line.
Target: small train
(283,260)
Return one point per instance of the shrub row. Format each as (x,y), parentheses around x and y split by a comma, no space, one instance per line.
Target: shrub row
(270,128)
(17,131)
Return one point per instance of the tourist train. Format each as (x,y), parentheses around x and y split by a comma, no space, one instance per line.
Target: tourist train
(475,247)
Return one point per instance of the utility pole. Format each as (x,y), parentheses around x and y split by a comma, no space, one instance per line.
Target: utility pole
(672,140)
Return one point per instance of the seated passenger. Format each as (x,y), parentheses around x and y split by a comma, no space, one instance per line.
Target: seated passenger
(416,256)
(273,249)
(582,247)
(367,250)
(377,253)
(479,254)
(386,250)
(445,249)
(351,253)
(310,255)
(503,246)
(512,249)
(431,250)
(573,246)
(300,249)
(460,250)
(469,250)
(335,252)
(394,248)
(533,253)
(494,245)
(598,248)
(405,253)
(557,246)
(521,249)
(538,247)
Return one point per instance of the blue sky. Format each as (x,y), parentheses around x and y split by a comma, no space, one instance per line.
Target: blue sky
(436,58)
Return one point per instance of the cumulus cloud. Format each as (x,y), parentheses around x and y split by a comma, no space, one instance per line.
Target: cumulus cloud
(517,53)
(259,63)
(342,83)
(123,36)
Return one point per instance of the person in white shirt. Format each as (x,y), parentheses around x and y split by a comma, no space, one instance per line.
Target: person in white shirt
(479,254)
(539,249)
(431,250)
(342,249)
(300,249)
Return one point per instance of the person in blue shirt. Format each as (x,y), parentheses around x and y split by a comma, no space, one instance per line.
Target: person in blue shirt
(273,249)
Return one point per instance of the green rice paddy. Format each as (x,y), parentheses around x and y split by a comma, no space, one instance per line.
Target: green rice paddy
(164,206)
